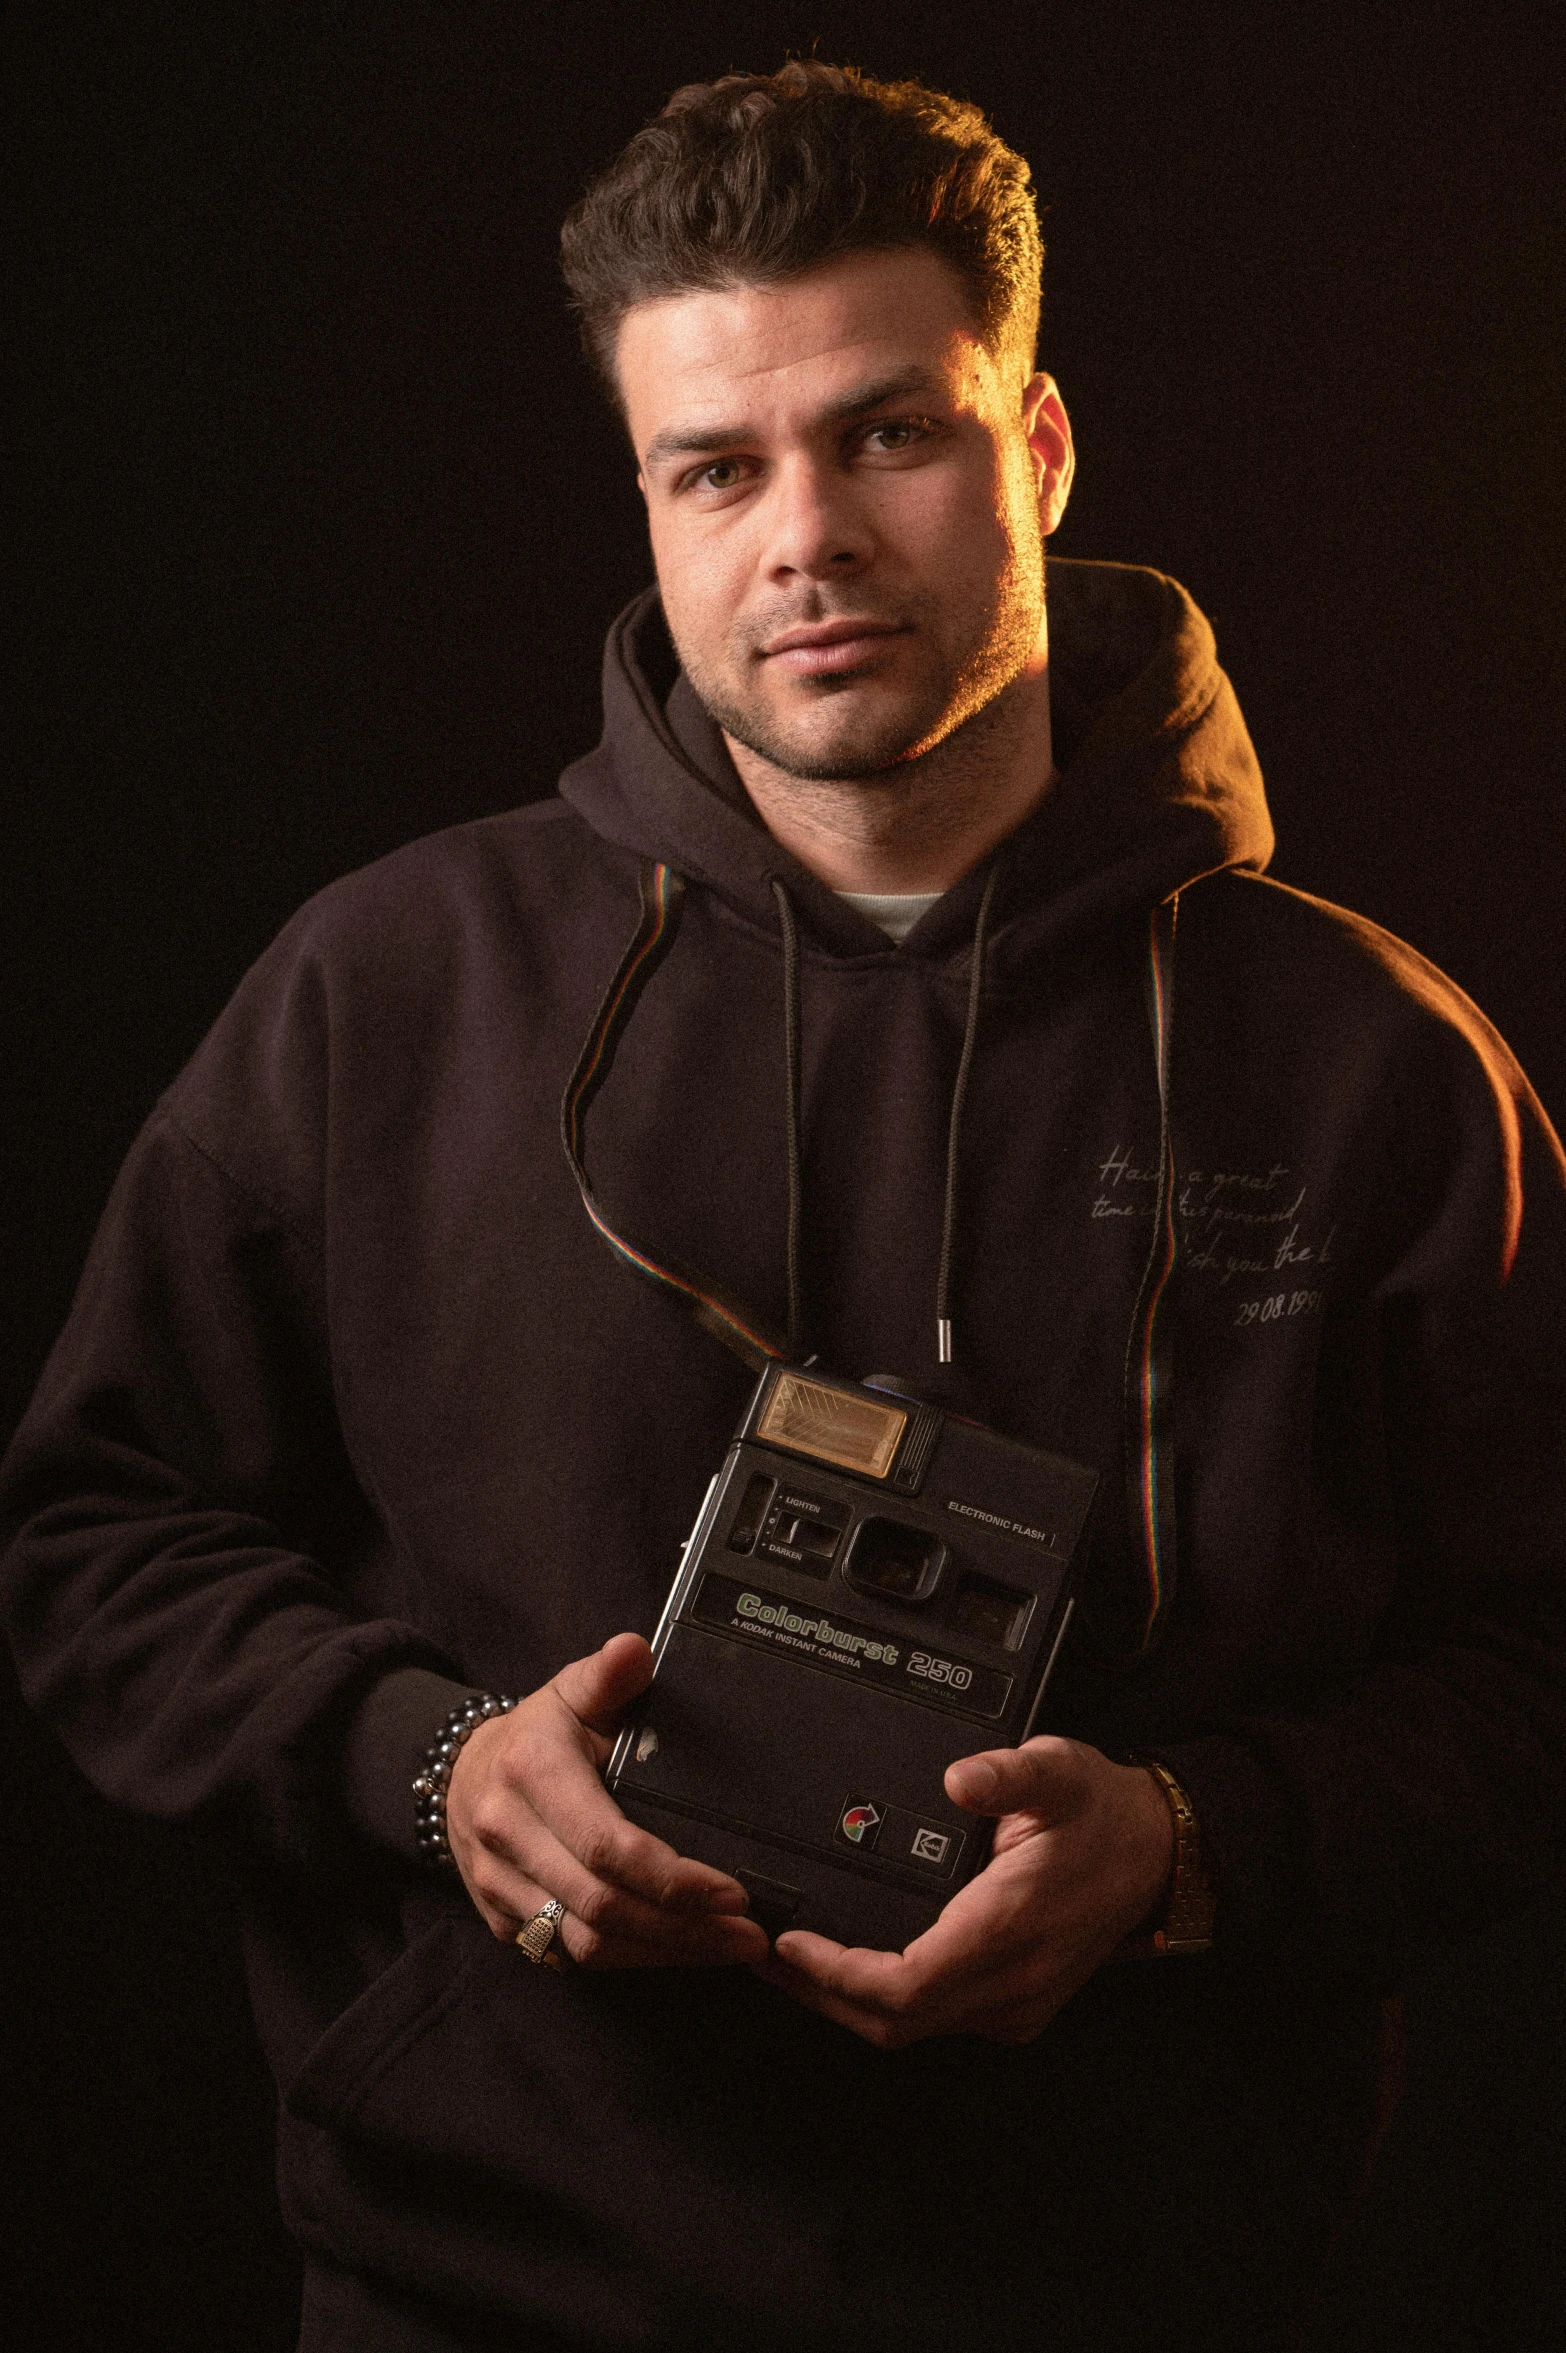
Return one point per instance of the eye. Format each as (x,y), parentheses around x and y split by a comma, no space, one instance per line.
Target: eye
(722,474)
(896,437)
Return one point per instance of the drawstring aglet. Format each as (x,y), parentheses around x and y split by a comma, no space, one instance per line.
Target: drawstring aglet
(943,1280)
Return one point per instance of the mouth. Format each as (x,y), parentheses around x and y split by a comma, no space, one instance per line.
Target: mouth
(822,648)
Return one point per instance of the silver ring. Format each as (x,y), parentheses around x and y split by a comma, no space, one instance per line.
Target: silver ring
(536,1936)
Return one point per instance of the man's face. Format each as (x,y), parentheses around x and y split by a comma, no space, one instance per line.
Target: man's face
(847,498)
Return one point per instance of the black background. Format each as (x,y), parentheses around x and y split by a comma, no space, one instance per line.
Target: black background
(321,525)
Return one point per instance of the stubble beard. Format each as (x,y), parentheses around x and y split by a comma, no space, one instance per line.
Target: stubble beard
(892,745)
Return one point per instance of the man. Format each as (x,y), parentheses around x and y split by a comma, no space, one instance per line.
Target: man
(1121,1149)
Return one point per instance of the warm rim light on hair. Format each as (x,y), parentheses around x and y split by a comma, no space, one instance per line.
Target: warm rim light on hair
(756,178)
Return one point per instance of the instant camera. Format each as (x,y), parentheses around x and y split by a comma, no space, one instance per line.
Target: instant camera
(873,1588)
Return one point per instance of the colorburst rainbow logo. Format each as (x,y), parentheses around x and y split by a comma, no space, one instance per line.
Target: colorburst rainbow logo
(859,1821)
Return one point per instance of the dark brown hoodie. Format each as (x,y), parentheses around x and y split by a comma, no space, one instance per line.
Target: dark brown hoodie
(355,1413)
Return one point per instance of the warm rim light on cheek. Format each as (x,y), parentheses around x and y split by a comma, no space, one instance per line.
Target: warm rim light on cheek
(774,500)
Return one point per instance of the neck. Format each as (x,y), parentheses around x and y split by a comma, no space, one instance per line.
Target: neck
(924,824)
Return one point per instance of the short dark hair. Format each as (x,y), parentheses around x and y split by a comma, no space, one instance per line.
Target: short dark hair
(756,177)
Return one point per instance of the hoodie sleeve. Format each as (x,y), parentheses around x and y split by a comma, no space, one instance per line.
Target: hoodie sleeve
(1427,1794)
(183,1523)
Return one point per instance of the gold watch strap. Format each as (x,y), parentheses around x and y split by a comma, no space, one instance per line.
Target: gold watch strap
(1187,1925)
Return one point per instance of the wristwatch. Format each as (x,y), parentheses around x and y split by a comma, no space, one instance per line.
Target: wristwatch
(1187,1925)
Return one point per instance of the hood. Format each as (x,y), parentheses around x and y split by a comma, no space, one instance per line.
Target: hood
(1158,785)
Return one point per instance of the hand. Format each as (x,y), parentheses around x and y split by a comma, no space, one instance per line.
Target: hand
(1082,1853)
(528,1817)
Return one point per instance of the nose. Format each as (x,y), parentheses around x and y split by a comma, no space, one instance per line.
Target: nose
(815,529)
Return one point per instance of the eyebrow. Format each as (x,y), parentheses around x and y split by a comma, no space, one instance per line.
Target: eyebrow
(692,440)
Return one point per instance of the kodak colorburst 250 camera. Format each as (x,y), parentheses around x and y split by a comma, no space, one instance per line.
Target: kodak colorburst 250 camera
(873,1588)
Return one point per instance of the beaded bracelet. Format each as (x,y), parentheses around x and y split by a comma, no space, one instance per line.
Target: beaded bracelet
(434,1775)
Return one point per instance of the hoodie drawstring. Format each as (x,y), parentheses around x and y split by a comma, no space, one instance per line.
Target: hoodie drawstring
(1149,1376)
(1149,1368)
(943,1279)
(791,1031)
(662,893)
(796,1184)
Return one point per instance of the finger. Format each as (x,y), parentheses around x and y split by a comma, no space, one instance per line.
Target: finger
(1045,1776)
(600,1688)
(584,1946)
(703,1945)
(566,1795)
(594,1693)
(889,2021)
(515,1850)
(503,1917)
(1012,2005)
(847,1972)
(983,1943)
(506,1906)
(612,1911)
(599,1949)
(536,1783)
(883,1996)
(813,1993)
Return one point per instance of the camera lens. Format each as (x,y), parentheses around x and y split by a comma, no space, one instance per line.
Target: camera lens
(890,1557)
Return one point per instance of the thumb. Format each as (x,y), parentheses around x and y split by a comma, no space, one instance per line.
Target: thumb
(1043,1777)
(598,1689)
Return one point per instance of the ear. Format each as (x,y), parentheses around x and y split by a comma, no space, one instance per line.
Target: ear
(1048,428)
(641,484)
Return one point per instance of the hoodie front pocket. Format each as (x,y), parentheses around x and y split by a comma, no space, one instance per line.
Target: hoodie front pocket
(393,2014)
